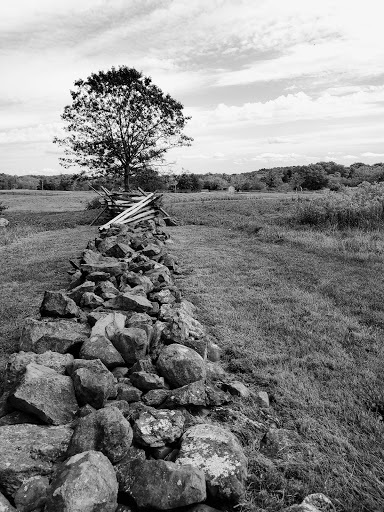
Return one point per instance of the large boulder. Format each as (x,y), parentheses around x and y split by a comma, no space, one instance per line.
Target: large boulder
(18,362)
(161,485)
(45,393)
(99,347)
(93,382)
(29,450)
(85,483)
(180,365)
(132,343)
(217,452)
(106,431)
(58,304)
(59,336)
(158,427)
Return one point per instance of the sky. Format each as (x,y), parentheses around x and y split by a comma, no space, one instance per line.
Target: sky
(267,82)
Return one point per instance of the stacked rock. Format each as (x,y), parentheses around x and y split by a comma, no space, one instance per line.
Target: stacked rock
(105,407)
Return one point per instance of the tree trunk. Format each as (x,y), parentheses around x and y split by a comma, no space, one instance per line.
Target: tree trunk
(126,178)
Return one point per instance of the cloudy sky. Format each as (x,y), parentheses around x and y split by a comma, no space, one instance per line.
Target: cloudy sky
(267,82)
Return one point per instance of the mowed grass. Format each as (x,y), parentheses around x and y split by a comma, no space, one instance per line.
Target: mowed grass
(300,314)
(34,253)
(45,200)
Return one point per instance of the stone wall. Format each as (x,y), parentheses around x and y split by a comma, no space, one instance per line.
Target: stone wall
(110,403)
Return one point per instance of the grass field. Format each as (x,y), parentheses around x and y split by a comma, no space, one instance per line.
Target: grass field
(298,311)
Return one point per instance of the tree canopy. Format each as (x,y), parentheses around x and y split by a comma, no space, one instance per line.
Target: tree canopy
(120,123)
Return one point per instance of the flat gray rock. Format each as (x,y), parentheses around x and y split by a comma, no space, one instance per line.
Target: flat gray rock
(40,336)
(85,483)
(99,347)
(47,394)
(30,450)
(217,452)
(158,427)
(114,320)
(130,302)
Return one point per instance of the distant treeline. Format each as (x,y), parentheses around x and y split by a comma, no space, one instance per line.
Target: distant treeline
(295,177)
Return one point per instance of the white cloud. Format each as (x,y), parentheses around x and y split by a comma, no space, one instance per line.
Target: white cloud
(39,133)
(374,155)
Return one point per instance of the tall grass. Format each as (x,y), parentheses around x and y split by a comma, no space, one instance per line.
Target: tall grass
(358,208)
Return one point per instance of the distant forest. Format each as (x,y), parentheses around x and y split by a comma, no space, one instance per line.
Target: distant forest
(296,177)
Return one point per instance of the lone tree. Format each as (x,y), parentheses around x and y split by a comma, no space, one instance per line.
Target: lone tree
(119,124)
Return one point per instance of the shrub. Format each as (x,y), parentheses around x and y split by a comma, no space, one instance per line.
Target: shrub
(93,204)
(359,208)
(2,207)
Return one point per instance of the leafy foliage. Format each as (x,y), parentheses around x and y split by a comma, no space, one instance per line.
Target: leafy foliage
(119,123)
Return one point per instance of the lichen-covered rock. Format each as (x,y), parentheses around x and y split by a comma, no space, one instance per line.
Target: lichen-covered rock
(18,362)
(85,483)
(236,388)
(106,431)
(147,381)
(29,450)
(47,394)
(219,455)
(158,427)
(161,485)
(99,347)
(32,494)
(155,397)
(313,503)
(180,365)
(191,394)
(58,304)
(40,335)
(93,382)
(132,343)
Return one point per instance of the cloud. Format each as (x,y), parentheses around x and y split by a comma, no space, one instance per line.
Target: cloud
(39,133)
(374,155)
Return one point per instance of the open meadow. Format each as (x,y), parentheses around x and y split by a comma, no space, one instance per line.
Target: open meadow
(298,311)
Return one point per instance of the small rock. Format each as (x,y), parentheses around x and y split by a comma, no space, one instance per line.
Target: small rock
(263,399)
(76,293)
(122,405)
(114,320)
(129,302)
(107,290)
(47,394)
(132,343)
(180,365)
(98,277)
(32,494)
(143,365)
(155,397)
(59,336)
(162,485)
(106,431)
(99,347)
(191,394)
(158,427)
(115,268)
(128,393)
(236,388)
(92,381)
(219,455)
(120,372)
(85,410)
(216,396)
(134,279)
(4,222)
(147,381)
(58,304)
(213,351)
(86,482)
(90,300)
(215,371)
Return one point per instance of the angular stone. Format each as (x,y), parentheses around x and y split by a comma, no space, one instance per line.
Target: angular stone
(99,347)
(91,300)
(151,250)
(122,405)
(217,452)
(213,351)
(119,250)
(116,320)
(115,268)
(29,450)
(155,397)
(19,417)
(32,494)
(86,482)
(191,394)
(182,327)
(107,290)
(263,399)
(236,388)
(58,304)
(47,394)
(143,365)
(158,427)
(18,362)
(161,485)
(163,297)
(92,381)
(76,293)
(139,320)
(134,279)
(215,371)
(128,393)
(129,302)
(120,372)
(159,275)
(98,277)
(106,431)
(60,336)
(216,396)
(5,506)
(147,381)
(132,343)
(180,365)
